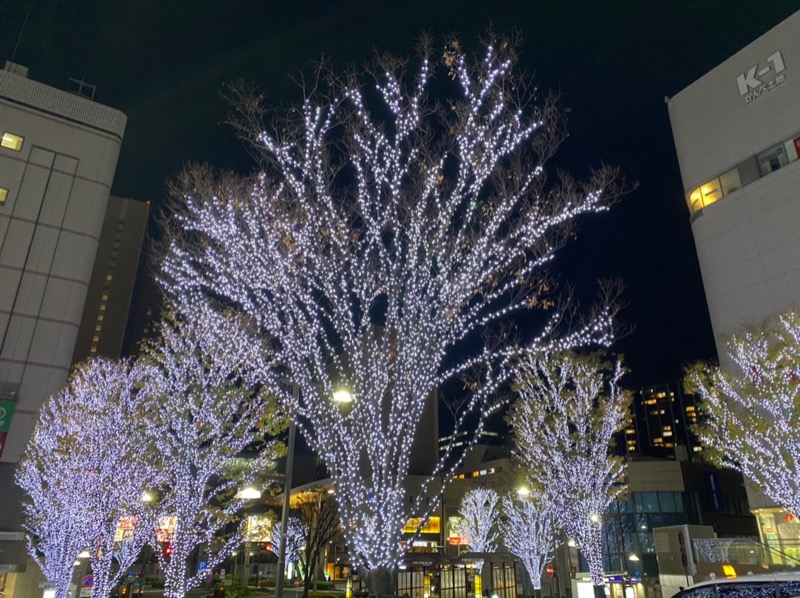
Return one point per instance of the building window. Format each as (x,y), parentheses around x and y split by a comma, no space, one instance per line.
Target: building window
(11,141)
(773,159)
(3,195)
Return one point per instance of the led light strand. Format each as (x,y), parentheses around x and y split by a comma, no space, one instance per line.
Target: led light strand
(564,424)
(378,283)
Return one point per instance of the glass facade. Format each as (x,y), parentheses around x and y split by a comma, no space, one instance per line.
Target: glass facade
(629,527)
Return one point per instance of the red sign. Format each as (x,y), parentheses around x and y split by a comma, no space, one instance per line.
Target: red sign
(797,146)
(455,540)
(550,570)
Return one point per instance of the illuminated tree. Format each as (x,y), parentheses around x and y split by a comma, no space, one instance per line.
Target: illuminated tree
(569,409)
(84,472)
(752,415)
(528,531)
(387,231)
(205,417)
(295,539)
(479,510)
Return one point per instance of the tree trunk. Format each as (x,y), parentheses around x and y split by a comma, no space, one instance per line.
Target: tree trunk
(381,582)
(175,577)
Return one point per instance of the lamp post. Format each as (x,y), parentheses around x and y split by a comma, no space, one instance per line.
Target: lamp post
(287,491)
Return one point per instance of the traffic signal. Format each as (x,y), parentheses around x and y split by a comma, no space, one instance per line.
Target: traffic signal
(167,551)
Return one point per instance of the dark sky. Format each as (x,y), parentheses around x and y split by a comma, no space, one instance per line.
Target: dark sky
(164,62)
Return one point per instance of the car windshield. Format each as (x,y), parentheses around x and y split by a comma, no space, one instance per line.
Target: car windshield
(744,589)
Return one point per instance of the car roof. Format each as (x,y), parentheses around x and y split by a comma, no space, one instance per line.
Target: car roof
(763,577)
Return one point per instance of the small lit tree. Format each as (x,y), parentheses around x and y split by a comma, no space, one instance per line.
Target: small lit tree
(205,416)
(529,531)
(479,510)
(85,470)
(751,416)
(569,409)
(389,228)
(295,541)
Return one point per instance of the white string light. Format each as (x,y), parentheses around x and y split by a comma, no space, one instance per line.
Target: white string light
(83,472)
(528,531)
(428,217)
(752,416)
(479,510)
(204,414)
(564,424)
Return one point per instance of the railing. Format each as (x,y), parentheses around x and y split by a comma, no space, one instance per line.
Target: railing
(746,551)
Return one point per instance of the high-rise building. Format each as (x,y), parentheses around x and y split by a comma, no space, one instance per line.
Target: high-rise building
(660,426)
(106,312)
(737,135)
(58,155)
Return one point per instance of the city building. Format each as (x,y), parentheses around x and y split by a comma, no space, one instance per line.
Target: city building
(106,311)
(660,426)
(737,136)
(58,155)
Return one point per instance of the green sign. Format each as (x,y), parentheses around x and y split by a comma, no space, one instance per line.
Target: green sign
(6,412)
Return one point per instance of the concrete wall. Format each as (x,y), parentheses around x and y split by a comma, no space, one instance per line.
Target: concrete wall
(748,242)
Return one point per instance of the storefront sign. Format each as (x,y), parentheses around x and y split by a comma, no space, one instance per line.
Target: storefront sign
(6,413)
(758,79)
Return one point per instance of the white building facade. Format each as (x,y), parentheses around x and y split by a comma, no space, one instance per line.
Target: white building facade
(737,136)
(58,156)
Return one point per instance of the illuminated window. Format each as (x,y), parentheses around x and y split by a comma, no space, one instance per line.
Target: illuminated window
(98,328)
(432,526)
(630,431)
(95,339)
(108,277)
(93,349)
(11,141)
(102,307)
(3,195)
(100,318)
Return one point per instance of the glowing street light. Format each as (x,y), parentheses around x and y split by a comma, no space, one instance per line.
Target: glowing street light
(633,557)
(523,491)
(249,493)
(146,497)
(342,395)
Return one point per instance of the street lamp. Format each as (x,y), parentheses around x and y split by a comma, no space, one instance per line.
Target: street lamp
(146,497)
(632,557)
(249,493)
(523,491)
(342,395)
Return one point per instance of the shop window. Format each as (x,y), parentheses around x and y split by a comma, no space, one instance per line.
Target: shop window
(3,195)
(11,141)
(773,159)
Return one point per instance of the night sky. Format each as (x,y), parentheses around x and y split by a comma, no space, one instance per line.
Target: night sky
(164,63)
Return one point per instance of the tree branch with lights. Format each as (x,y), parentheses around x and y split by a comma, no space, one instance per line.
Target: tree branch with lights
(751,412)
(214,430)
(529,531)
(87,442)
(479,510)
(389,229)
(569,409)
